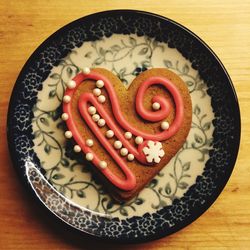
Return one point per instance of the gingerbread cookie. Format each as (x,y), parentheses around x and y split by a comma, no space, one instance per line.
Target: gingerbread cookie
(127,135)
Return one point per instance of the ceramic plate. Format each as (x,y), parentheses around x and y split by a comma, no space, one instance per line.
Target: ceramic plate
(127,43)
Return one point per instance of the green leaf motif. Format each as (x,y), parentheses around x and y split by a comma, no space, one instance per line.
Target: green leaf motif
(37,133)
(197,110)
(69,72)
(186,166)
(139,201)
(102,51)
(124,212)
(64,162)
(153,183)
(110,204)
(160,174)
(206,126)
(132,41)
(124,81)
(88,54)
(122,72)
(101,191)
(55,114)
(58,176)
(185,69)
(47,148)
(190,83)
(61,125)
(168,189)
(198,138)
(52,93)
(55,76)
(71,179)
(143,51)
(168,63)
(183,185)
(115,48)
(44,121)
(98,61)
(80,194)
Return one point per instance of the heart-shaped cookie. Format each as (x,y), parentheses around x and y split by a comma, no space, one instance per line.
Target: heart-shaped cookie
(127,135)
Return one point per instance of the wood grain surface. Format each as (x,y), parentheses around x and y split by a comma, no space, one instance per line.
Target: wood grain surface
(224,25)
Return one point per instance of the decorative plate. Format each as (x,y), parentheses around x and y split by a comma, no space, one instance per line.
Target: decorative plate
(126,42)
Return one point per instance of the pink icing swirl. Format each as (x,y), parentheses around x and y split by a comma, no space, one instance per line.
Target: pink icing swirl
(129,182)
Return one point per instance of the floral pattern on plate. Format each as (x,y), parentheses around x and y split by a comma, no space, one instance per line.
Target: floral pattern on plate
(126,56)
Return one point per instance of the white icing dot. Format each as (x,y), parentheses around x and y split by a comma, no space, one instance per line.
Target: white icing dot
(164,125)
(66,99)
(124,152)
(138,140)
(128,135)
(156,106)
(77,148)
(92,110)
(65,116)
(89,156)
(109,133)
(101,98)
(103,164)
(101,122)
(131,157)
(86,70)
(89,142)
(95,117)
(71,84)
(99,84)
(117,144)
(97,92)
(68,134)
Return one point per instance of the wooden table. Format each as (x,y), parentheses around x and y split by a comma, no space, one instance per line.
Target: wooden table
(224,25)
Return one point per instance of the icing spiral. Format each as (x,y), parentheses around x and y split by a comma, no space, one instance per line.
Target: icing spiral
(88,100)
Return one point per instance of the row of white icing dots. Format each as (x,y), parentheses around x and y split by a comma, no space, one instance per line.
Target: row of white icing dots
(101,122)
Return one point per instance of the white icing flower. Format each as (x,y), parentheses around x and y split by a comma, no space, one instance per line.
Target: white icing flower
(153,151)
